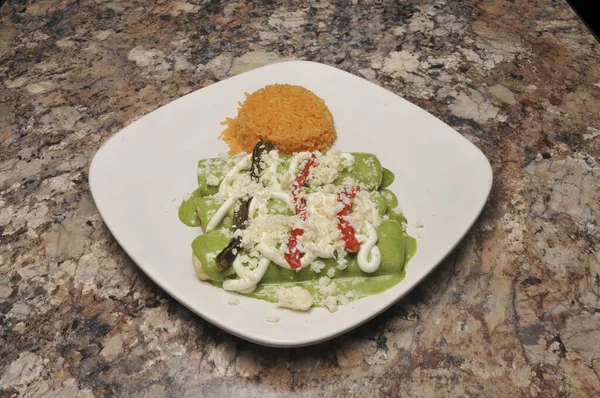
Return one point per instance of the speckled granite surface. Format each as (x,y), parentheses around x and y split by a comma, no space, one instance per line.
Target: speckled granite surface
(513,311)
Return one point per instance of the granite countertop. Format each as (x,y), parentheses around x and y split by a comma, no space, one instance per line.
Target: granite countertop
(513,311)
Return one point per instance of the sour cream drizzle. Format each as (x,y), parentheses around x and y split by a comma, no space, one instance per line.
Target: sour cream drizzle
(369,256)
(248,278)
(221,213)
(225,187)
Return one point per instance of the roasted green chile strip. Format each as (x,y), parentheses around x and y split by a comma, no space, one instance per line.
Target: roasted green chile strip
(226,257)
(263,146)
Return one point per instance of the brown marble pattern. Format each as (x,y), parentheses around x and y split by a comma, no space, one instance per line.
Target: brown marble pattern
(513,311)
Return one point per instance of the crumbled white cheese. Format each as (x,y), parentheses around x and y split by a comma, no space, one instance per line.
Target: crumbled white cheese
(326,170)
(364,209)
(342,262)
(331,303)
(295,298)
(331,272)
(225,232)
(346,159)
(317,266)
(349,181)
(321,233)
(328,290)
(397,210)
(233,301)
(212,180)
(324,281)
(286,180)
(270,229)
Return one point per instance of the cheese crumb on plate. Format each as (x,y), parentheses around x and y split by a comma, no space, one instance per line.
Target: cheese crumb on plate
(233,301)
(295,298)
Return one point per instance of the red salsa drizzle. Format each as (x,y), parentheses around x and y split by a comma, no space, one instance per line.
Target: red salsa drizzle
(346,196)
(293,255)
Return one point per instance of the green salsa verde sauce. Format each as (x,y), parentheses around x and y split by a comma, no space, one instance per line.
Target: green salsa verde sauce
(397,248)
(187,210)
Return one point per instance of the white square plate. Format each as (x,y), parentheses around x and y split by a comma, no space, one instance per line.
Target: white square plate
(139,176)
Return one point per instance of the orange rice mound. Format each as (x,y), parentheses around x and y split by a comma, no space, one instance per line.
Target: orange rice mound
(292,117)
